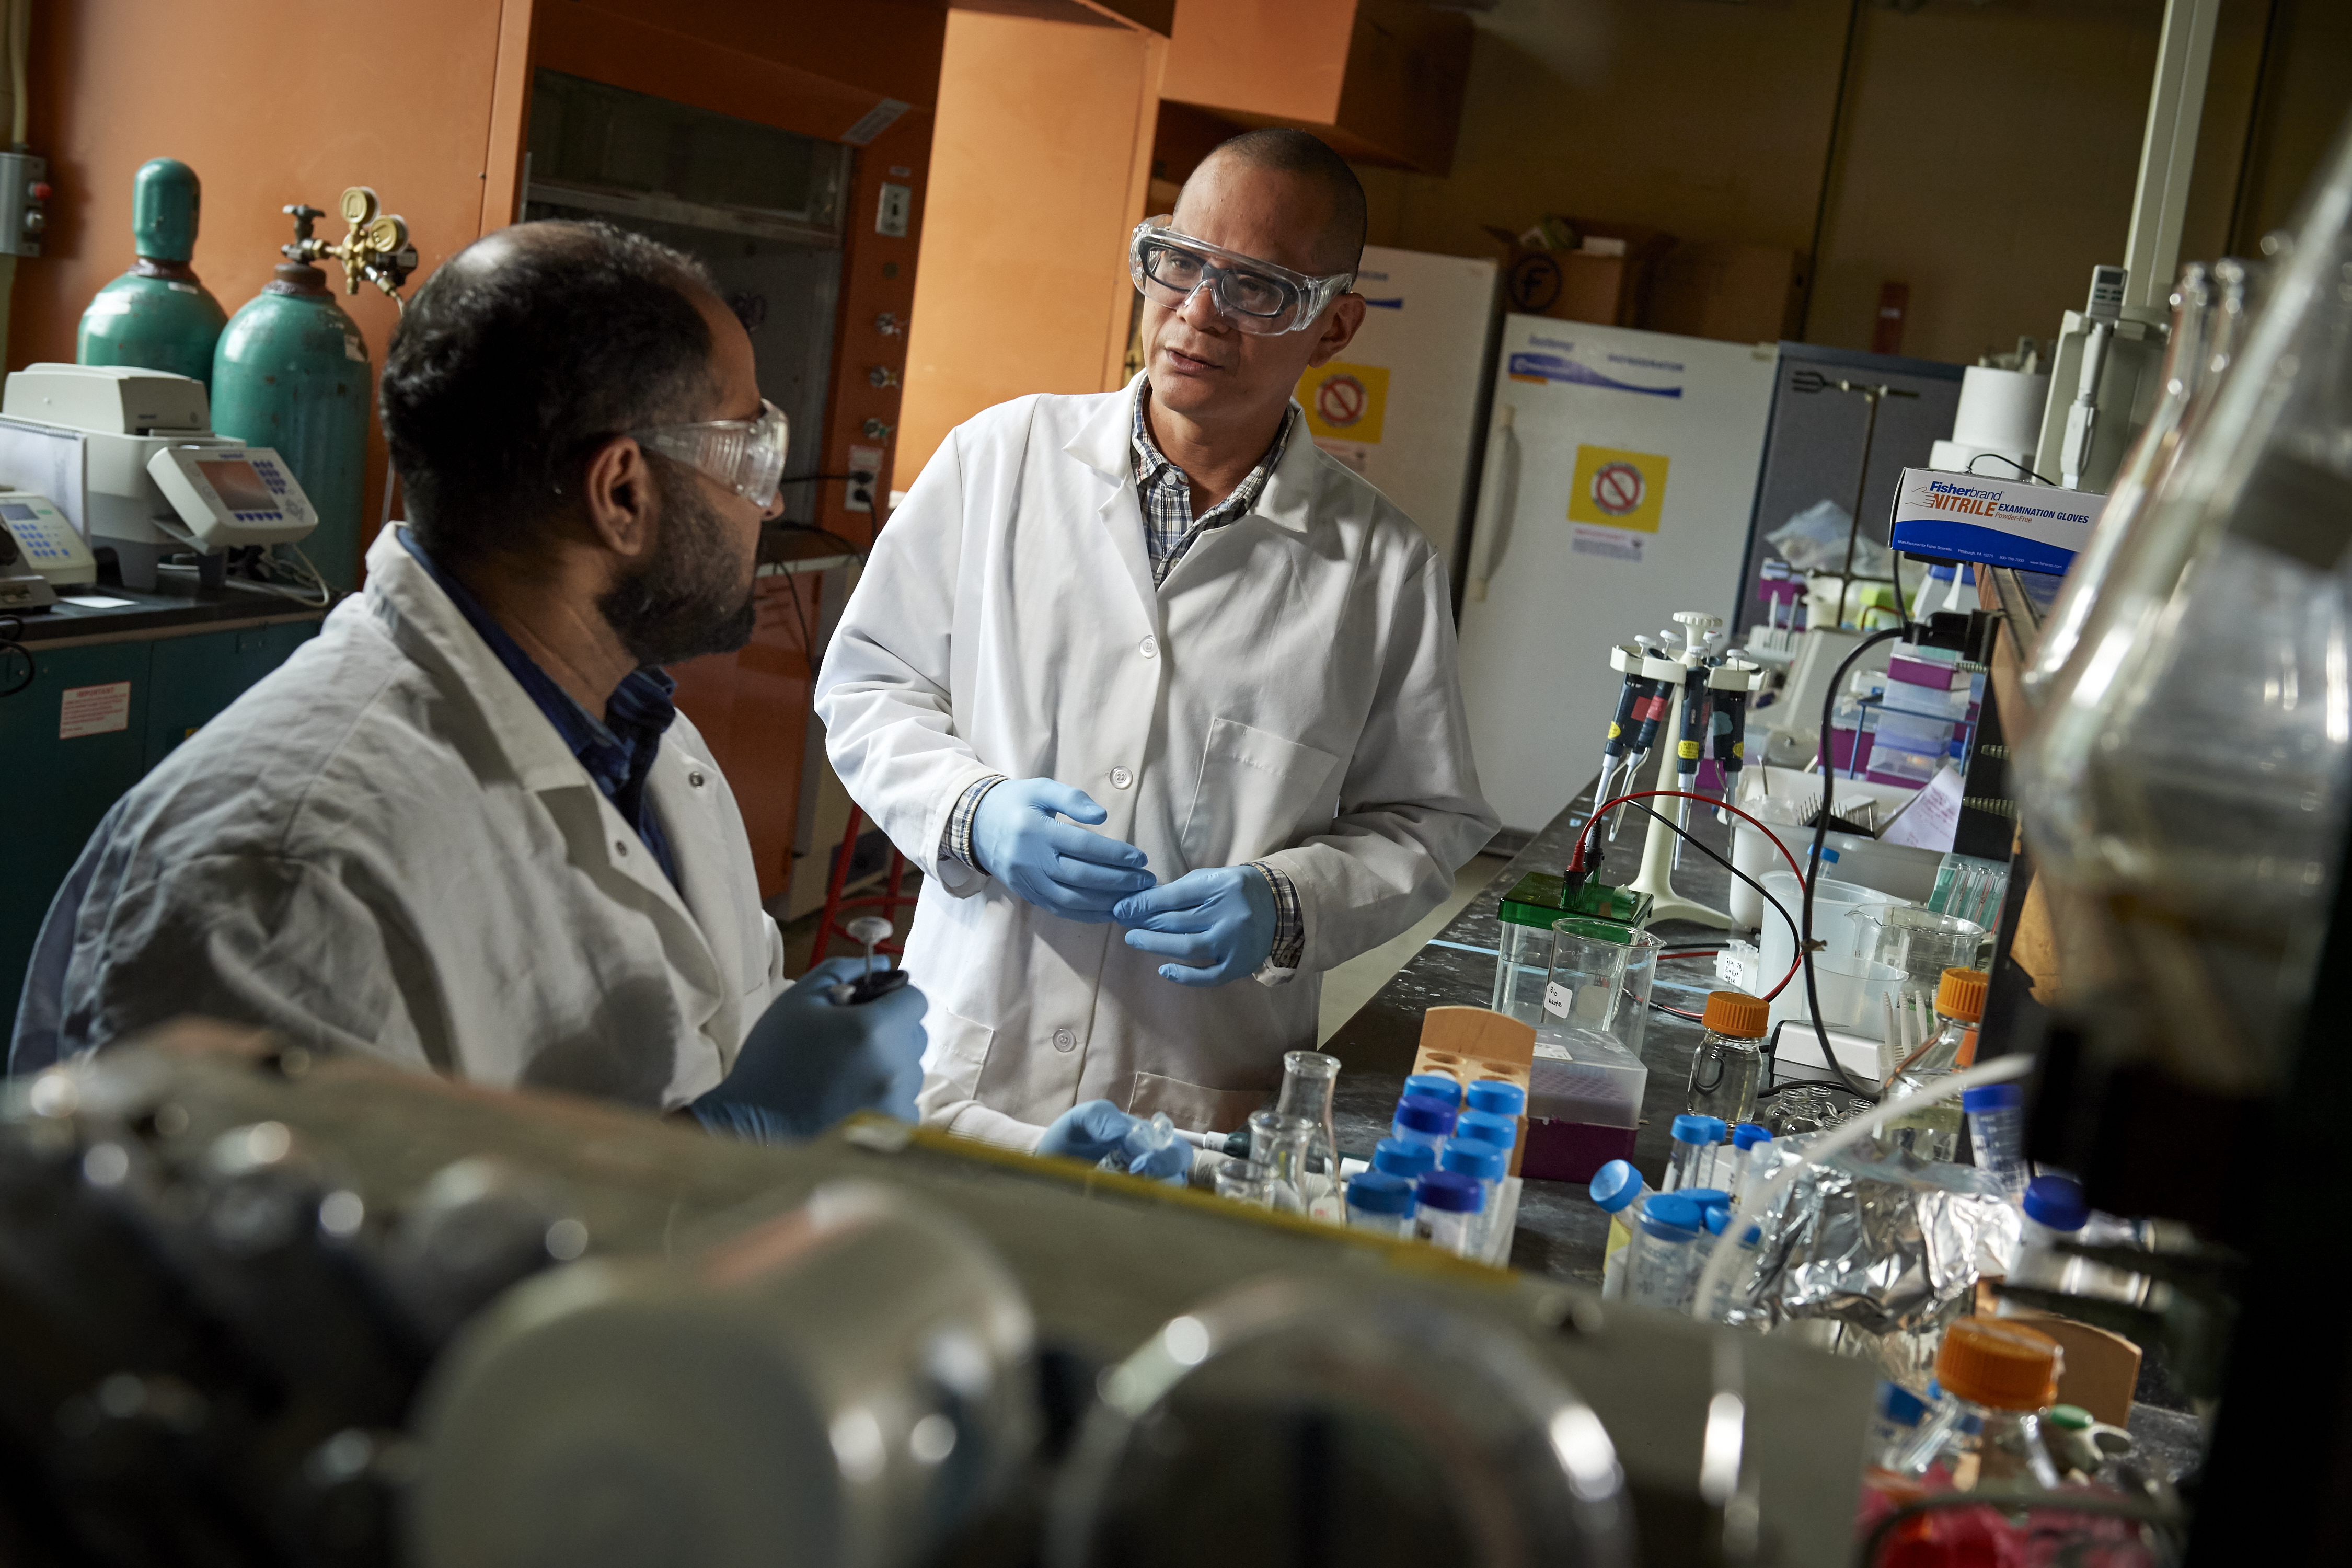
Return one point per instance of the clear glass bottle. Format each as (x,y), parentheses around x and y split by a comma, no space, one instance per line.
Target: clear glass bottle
(1933,1131)
(1279,1150)
(2000,1376)
(1728,1067)
(1309,1078)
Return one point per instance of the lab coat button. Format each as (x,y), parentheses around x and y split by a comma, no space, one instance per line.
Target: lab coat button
(694,778)
(1121,778)
(1151,647)
(1066,1040)
(619,847)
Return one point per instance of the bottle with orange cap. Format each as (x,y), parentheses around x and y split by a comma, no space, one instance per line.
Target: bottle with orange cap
(1933,1132)
(1727,1068)
(1997,1377)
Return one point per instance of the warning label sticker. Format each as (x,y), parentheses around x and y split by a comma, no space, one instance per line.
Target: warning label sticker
(1345,402)
(94,710)
(1610,543)
(1618,488)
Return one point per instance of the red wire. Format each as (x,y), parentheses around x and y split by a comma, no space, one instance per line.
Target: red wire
(1576,861)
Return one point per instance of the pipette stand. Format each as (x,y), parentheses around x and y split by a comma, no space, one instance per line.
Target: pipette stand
(1657,877)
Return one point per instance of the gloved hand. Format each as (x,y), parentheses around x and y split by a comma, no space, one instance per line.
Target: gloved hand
(809,1061)
(1090,1131)
(1217,924)
(1062,869)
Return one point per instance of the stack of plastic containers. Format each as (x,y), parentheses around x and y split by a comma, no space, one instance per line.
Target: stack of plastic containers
(1584,1089)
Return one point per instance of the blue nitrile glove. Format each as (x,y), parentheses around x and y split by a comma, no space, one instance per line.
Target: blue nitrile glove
(1088,1131)
(1062,869)
(809,1061)
(1217,924)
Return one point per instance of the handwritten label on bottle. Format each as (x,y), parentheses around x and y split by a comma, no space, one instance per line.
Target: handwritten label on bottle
(1558,998)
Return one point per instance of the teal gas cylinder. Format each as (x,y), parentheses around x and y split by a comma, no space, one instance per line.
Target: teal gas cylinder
(157,316)
(291,372)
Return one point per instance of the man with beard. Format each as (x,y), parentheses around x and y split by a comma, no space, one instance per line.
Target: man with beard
(463,829)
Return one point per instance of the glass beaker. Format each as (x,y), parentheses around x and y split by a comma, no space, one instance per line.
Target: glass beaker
(1244,1182)
(1919,943)
(1280,1146)
(1598,984)
(1522,960)
(1308,1080)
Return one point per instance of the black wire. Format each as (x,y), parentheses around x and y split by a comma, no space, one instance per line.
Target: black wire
(1694,841)
(1820,838)
(2012,462)
(859,476)
(850,545)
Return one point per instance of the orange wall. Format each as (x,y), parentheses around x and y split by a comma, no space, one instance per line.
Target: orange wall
(254,95)
(1040,161)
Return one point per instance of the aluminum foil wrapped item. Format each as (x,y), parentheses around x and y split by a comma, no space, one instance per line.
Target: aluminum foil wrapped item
(1874,1251)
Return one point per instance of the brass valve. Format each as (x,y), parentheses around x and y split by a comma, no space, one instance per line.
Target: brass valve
(375,248)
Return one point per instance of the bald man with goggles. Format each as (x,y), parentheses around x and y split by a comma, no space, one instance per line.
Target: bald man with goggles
(1162,696)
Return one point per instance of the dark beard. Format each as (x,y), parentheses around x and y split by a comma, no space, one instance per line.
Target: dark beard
(683,602)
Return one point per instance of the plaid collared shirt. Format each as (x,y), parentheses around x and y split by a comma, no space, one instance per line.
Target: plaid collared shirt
(1168,530)
(1169,527)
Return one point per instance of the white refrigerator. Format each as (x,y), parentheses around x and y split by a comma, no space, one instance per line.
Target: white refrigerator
(1622,494)
(1402,404)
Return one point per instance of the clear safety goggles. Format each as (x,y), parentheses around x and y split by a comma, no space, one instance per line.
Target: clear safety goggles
(1256,295)
(745,455)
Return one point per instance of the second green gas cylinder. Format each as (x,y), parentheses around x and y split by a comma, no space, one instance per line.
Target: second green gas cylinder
(291,372)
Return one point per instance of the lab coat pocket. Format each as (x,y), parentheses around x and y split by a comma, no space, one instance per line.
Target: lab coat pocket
(1255,791)
(951,1066)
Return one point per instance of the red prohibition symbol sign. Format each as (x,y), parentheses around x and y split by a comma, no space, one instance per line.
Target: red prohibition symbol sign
(1617,489)
(1339,401)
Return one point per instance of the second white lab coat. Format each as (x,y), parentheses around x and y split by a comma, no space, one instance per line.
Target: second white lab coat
(385,846)
(1290,694)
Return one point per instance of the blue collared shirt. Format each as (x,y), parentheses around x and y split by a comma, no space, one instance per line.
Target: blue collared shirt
(619,751)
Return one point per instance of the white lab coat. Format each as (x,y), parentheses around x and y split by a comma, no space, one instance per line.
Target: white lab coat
(1289,694)
(385,846)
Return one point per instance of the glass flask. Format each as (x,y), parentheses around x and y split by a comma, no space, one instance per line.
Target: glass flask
(2190,773)
(1308,1080)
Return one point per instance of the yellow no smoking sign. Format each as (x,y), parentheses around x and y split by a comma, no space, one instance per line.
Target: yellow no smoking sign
(1617,489)
(1345,402)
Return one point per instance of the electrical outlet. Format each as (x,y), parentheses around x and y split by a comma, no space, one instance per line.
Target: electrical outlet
(858,494)
(898,206)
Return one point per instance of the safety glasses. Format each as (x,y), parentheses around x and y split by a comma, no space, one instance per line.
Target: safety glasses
(1256,295)
(745,455)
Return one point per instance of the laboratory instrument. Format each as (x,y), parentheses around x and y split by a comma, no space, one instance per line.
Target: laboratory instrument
(159,315)
(291,371)
(1588,1065)
(1487,1165)
(1995,1119)
(1690,1157)
(1419,1119)
(130,458)
(1400,1157)
(1666,1252)
(1281,1147)
(21,589)
(1629,478)
(1486,1127)
(1442,1086)
(1142,1141)
(1242,1182)
(1526,915)
(48,542)
(1933,1131)
(1381,1203)
(1618,1191)
(1727,1065)
(1496,1097)
(1309,1078)
(1449,1204)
